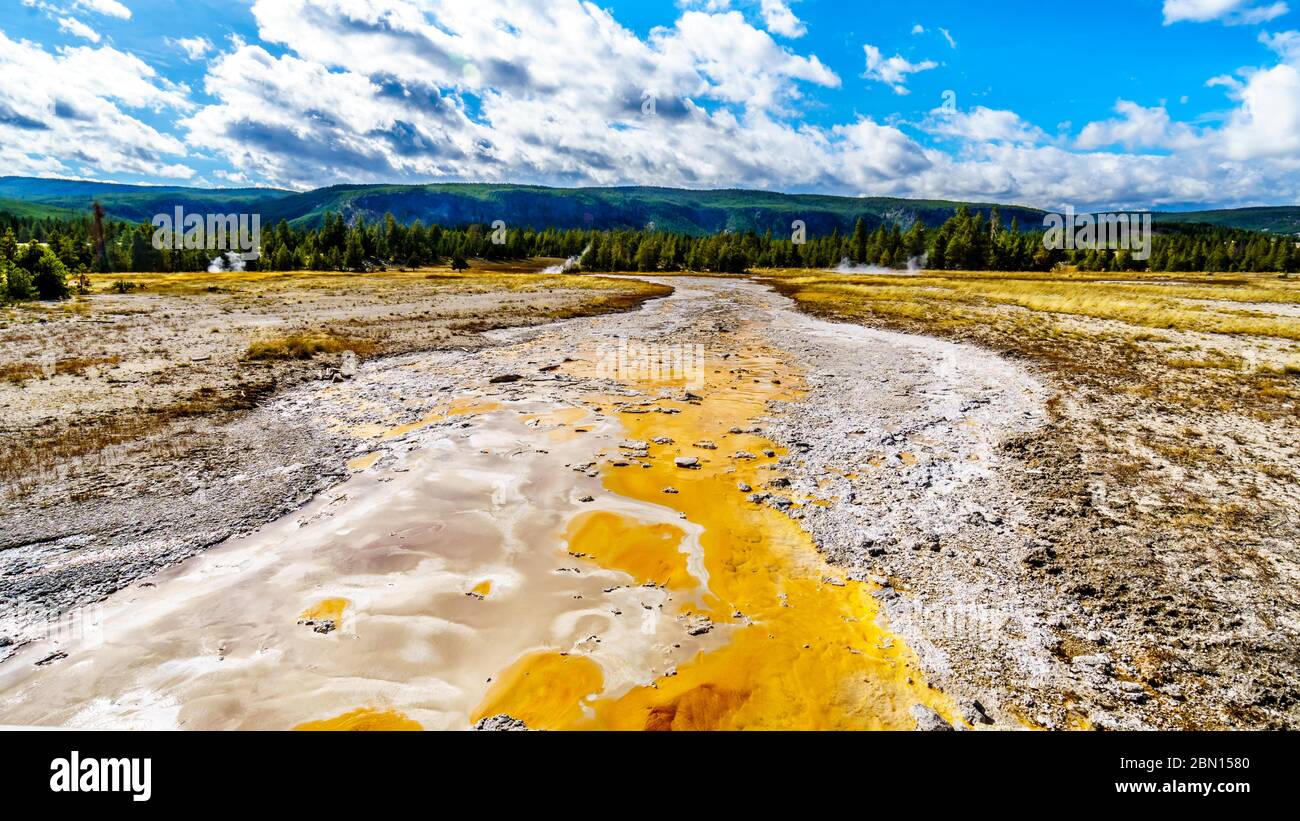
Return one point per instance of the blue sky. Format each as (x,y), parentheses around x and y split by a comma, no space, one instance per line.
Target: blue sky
(1126,103)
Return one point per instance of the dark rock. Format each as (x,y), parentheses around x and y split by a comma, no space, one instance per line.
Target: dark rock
(501,723)
(974,713)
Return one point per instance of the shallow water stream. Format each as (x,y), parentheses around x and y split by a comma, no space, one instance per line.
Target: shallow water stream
(525,548)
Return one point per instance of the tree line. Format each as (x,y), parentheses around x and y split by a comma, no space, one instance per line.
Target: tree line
(37,254)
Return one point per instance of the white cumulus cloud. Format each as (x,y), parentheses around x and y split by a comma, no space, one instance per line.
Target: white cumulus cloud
(779,19)
(1232,12)
(983,125)
(73,109)
(892,71)
(1137,127)
(76,28)
(110,8)
(561,92)
(195,48)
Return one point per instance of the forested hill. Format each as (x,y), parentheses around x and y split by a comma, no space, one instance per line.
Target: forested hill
(674,210)
(127,203)
(1281,219)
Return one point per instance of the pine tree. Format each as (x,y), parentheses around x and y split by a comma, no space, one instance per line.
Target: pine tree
(859,240)
(50,277)
(355,257)
(8,245)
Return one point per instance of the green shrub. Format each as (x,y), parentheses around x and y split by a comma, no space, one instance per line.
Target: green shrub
(17,283)
(50,276)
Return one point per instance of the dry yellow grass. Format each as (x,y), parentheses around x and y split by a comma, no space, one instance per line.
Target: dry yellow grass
(1207,356)
(20,372)
(305,345)
(1186,306)
(482,277)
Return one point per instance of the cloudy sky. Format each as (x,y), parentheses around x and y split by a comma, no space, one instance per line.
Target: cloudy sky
(1116,103)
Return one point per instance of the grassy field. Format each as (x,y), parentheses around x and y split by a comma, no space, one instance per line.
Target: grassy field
(1190,303)
(521,277)
(1157,335)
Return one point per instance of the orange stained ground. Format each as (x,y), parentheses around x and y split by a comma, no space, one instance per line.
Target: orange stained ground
(461,406)
(364,718)
(805,651)
(363,462)
(545,690)
(647,552)
(325,609)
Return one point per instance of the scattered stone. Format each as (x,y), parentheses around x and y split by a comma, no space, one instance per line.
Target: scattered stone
(706,444)
(587,499)
(686,462)
(1098,661)
(698,625)
(324,626)
(501,723)
(1132,691)
(744,488)
(974,713)
(670,489)
(504,378)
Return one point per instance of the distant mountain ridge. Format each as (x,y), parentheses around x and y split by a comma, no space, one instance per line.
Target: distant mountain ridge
(1277,219)
(538,207)
(132,203)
